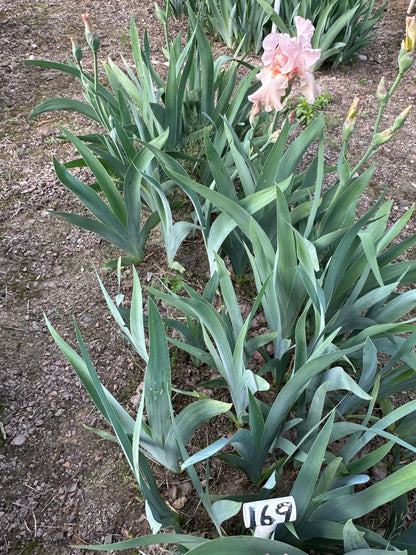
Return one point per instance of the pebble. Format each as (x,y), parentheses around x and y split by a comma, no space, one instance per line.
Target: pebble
(19,439)
(379,471)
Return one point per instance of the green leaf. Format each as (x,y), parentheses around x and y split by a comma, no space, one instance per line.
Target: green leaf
(368,461)
(229,296)
(219,171)
(359,504)
(205,453)
(304,485)
(154,539)
(104,180)
(245,545)
(256,420)
(225,509)
(136,318)
(65,68)
(290,392)
(90,199)
(85,373)
(207,72)
(157,381)
(107,233)
(353,538)
(53,104)
(195,414)
(375,552)
(338,379)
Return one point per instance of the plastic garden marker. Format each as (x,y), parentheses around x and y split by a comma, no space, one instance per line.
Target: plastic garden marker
(264,516)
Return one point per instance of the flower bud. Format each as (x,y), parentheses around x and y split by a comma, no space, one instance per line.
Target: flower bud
(76,50)
(255,111)
(409,43)
(387,134)
(161,14)
(401,118)
(93,38)
(87,24)
(381,93)
(95,42)
(349,123)
(383,137)
(406,54)
(405,60)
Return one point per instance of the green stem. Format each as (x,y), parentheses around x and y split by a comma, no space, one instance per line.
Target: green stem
(370,149)
(95,72)
(166,26)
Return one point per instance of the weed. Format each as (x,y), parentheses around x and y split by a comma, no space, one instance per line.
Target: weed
(306,112)
(124,39)
(174,282)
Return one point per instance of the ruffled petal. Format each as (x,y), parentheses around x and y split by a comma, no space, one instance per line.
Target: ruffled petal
(308,86)
(270,44)
(271,91)
(304,30)
(283,59)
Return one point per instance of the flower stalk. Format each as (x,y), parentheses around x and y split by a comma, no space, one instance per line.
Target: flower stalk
(93,40)
(405,61)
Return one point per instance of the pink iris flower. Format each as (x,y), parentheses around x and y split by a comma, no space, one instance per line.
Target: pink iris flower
(284,58)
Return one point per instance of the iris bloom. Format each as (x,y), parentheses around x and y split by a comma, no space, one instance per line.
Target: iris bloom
(284,58)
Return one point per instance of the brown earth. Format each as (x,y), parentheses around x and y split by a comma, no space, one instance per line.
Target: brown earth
(60,484)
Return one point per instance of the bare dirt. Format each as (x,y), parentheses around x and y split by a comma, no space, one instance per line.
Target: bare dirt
(60,484)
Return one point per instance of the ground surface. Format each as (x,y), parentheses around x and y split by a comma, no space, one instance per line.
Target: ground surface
(59,483)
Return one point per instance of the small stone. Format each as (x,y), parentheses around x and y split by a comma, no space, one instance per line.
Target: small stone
(379,471)
(180,502)
(19,439)
(362,57)
(108,539)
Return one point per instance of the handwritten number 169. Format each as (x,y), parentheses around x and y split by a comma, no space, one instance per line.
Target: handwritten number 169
(283,511)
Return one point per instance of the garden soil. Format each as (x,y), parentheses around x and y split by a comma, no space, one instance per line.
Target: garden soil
(60,484)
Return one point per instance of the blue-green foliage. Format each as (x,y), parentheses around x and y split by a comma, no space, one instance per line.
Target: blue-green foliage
(308,398)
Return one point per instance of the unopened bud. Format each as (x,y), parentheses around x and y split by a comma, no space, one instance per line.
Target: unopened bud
(382,137)
(255,111)
(93,38)
(381,93)
(95,41)
(406,54)
(349,123)
(87,23)
(410,41)
(76,50)
(401,118)
(405,60)
(161,14)
(387,134)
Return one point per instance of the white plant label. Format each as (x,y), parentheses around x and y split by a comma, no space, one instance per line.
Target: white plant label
(269,512)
